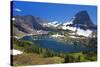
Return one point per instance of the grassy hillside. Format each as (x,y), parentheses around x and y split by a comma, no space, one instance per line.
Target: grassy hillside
(33,55)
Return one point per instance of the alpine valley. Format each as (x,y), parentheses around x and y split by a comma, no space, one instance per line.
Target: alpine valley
(42,42)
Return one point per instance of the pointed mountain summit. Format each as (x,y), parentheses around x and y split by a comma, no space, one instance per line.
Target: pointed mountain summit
(82,23)
(82,20)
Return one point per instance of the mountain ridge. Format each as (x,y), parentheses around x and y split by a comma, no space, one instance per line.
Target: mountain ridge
(29,24)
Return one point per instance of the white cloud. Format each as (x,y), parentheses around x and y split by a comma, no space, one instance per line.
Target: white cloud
(18,10)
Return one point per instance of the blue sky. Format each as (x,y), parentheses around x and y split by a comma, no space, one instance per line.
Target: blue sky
(52,12)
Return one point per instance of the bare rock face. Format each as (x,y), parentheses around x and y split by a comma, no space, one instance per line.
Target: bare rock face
(82,17)
(82,20)
(27,24)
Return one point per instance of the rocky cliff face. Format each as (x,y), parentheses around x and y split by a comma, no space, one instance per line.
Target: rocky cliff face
(81,23)
(82,20)
(26,25)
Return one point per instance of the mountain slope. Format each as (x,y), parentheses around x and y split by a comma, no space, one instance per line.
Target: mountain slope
(81,24)
(26,25)
(82,20)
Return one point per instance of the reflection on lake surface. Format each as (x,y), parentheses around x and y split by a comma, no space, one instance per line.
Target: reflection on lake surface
(53,44)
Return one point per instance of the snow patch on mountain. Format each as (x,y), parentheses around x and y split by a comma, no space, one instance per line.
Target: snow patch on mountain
(69,28)
(57,35)
(16,52)
(54,23)
(82,32)
(69,22)
(85,33)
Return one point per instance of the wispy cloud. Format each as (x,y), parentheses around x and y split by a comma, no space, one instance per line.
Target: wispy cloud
(18,10)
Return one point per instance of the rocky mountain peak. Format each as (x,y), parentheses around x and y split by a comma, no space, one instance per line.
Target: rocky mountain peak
(82,20)
(83,17)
